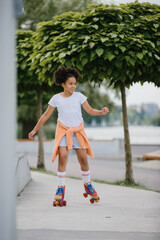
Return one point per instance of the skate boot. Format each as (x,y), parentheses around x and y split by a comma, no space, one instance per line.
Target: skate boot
(59,197)
(89,190)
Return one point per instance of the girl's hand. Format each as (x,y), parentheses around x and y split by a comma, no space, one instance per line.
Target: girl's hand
(31,134)
(105,110)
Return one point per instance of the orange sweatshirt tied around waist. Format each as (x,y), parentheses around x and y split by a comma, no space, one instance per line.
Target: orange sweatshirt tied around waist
(62,130)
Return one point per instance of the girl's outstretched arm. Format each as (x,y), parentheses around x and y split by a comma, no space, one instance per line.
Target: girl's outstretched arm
(94,112)
(45,116)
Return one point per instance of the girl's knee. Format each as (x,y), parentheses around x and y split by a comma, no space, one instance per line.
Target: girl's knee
(63,154)
(63,160)
(83,161)
(62,163)
(63,157)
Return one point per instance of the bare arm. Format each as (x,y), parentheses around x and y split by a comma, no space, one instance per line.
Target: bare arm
(94,112)
(45,116)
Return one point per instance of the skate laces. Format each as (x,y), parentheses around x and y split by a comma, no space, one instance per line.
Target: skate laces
(59,191)
(90,188)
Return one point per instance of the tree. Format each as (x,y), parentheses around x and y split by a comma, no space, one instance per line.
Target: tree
(119,44)
(41,10)
(29,85)
(76,6)
(34,12)
(26,115)
(155,120)
(27,80)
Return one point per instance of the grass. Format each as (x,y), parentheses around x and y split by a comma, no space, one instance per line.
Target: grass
(42,170)
(117,183)
(124,183)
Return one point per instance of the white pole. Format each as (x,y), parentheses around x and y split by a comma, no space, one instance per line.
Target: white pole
(7,121)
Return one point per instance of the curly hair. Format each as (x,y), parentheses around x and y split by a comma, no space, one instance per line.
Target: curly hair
(63,73)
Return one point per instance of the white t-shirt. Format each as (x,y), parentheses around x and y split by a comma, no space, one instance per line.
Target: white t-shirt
(69,109)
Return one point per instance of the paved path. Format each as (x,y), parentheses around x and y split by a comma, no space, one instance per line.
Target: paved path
(146,173)
(122,214)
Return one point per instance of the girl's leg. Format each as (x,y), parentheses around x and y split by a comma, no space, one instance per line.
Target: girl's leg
(83,161)
(82,158)
(89,189)
(62,163)
(63,159)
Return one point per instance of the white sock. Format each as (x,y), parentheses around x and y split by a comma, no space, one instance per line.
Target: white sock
(86,176)
(61,178)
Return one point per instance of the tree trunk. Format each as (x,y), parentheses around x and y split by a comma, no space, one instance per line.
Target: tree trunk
(40,132)
(26,127)
(128,154)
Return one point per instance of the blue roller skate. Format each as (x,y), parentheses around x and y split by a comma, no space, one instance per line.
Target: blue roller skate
(59,197)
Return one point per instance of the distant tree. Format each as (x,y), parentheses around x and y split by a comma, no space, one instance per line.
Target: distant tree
(155,120)
(74,5)
(97,100)
(34,12)
(42,10)
(133,116)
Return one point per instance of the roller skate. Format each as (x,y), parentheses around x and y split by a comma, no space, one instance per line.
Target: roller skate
(89,190)
(59,197)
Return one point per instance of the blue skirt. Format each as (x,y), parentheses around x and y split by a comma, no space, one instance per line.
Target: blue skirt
(75,142)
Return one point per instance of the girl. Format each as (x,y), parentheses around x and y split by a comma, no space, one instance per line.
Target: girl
(70,130)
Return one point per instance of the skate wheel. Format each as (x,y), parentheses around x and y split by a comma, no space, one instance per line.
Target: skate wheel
(61,203)
(55,203)
(92,200)
(85,195)
(64,203)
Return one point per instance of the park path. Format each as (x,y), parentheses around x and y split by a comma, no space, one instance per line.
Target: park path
(122,213)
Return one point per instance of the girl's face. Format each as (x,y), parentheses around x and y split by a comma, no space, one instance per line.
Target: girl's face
(70,85)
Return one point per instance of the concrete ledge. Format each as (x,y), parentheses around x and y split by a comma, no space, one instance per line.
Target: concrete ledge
(108,149)
(141,149)
(23,175)
(101,148)
(113,148)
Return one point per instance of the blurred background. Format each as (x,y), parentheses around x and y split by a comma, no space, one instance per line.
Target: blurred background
(143,101)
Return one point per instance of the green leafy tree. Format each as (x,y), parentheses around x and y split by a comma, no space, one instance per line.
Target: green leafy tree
(34,12)
(27,80)
(26,115)
(29,87)
(116,43)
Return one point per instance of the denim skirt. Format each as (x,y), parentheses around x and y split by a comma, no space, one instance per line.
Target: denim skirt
(75,142)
